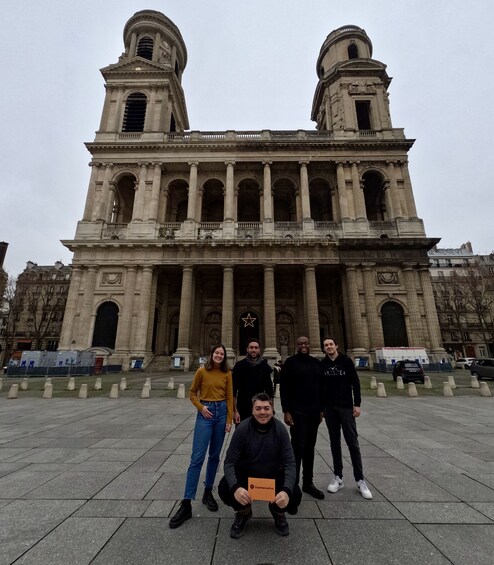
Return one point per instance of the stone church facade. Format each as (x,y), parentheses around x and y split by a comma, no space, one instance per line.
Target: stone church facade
(190,237)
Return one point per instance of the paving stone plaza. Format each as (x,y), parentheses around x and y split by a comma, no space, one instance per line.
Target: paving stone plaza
(95,481)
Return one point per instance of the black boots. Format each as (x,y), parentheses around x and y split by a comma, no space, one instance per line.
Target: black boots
(183,513)
(241,519)
(280,523)
(209,501)
(313,491)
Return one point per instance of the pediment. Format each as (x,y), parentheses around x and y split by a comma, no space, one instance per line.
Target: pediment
(362,64)
(130,65)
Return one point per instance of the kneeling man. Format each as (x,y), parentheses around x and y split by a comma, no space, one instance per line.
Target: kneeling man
(260,448)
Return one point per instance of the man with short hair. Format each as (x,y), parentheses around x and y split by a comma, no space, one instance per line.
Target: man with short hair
(250,376)
(301,389)
(260,448)
(341,407)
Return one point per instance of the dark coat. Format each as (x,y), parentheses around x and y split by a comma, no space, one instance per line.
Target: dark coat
(249,380)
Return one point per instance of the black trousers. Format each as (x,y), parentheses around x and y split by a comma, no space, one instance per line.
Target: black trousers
(227,497)
(303,434)
(337,420)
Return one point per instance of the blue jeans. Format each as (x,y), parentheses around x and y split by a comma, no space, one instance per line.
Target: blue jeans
(207,433)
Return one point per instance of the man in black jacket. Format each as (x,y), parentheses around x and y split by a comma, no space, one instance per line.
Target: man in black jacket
(260,448)
(301,389)
(250,376)
(341,407)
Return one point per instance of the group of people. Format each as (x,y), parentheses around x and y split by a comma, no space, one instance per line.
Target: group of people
(261,447)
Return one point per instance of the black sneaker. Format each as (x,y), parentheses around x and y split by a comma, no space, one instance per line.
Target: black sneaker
(183,513)
(209,501)
(280,523)
(313,491)
(241,519)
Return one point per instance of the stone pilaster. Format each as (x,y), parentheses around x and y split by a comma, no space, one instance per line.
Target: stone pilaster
(102,198)
(342,197)
(88,208)
(192,201)
(355,311)
(138,211)
(152,206)
(67,333)
(85,336)
(358,194)
(393,187)
(431,312)
(227,311)
(374,325)
(267,192)
(416,335)
(304,190)
(183,348)
(229,191)
(409,198)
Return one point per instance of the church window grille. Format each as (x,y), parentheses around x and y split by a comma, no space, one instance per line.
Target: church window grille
(145,48)
(135,112)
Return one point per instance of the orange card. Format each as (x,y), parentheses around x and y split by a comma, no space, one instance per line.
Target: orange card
(261,489)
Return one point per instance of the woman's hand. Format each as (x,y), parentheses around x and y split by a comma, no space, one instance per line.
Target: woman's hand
(228,428)
(288,419)
(206,413)
(236,417)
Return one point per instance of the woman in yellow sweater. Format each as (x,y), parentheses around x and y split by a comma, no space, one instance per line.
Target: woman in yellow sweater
(212,394)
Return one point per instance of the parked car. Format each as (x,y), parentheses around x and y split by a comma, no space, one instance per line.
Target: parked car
(409,371)
(482,368)
(464,362)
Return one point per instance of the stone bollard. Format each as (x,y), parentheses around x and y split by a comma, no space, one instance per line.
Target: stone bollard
(148,383)
(181,391)
(427,382)
(123,383)
(474,382)
(83,391)
(381,391)
(451,381)
(24,384)
(399,383)
(373,383)
(97,384)
(145,391)
(412,390)
(114,391)
(14,389)
(171,384)
(447,390)
(71,384)
(48,392)
(484,389)
(47,381)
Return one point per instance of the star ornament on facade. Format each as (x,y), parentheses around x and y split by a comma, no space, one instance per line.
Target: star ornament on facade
(249,321)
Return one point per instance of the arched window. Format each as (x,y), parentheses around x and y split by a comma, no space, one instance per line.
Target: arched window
(145,47)
(352,51)
(135,112)
(248,208)
(394,328)
(374,197)
(123,204)
(105,327)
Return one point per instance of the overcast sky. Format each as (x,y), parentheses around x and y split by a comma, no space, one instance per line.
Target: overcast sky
(251,66)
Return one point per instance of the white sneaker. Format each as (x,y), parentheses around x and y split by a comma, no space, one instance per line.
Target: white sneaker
(364,489)
(336,484)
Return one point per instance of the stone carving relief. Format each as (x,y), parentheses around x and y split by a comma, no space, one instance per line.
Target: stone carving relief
(387,277)
(111,279)
(165,52)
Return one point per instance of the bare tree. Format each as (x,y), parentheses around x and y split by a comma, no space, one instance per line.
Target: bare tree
(12,307)
(451,300)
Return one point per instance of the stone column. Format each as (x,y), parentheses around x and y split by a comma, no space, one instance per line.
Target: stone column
(270,350)
(110,204)
(334,205)
(152,206)
(374,325)
(267,193)
(104,124)
(409,198)
(229,191)
(304,190)
(416,338)
(67,333)
(132,48)
(227,311)
(85,335)
(88,208)
(355,311)
(200,195)
(138,211)
(343,201)
(122,342)
(141,345)
(185,312)
(192,201)
(393,186)
(358,194)
(312,313)
(163,205)
(431,311)
(388,200)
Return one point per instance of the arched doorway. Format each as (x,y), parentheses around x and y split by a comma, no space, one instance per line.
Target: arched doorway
(105,327)
(394,328)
